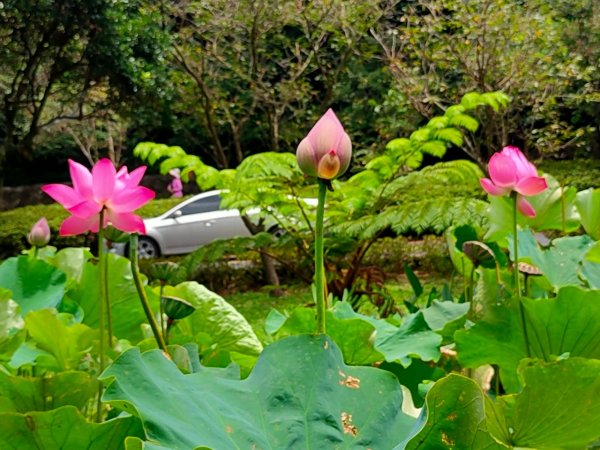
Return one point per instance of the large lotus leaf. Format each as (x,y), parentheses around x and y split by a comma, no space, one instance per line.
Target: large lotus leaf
(71,261)
(415,377)
(561,262)
(228,329)
(353,335)
(64,428)
(567,323)
(563,324)
(61,344)
(555,210)
(558,408)
(413,339)
(34,283)
(19,394)
(588,205)
(455,418)
(12,334)
(446,317)
(126,310)
(496,339)
(300,394)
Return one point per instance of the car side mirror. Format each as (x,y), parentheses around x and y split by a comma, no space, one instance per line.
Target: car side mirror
(177,214)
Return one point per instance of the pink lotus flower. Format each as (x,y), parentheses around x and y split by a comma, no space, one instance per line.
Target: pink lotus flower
(326,151)
(117,193)
(511,171)
(39,235)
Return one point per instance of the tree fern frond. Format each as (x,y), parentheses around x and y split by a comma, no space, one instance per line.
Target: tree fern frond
(268,164)
(438,122)
(153,152)
(464,121)
(434,148)
(450,135)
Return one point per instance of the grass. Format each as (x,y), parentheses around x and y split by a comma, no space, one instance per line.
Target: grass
(255,305)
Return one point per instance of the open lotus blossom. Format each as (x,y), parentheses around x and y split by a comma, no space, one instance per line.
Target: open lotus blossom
(326,151)
(511,171)
(39,235)
(117,193)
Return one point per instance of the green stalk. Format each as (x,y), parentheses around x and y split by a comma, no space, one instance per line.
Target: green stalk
(135,270)
(516,275)
(107,299)
(162,310)
(101,302)
(319,267)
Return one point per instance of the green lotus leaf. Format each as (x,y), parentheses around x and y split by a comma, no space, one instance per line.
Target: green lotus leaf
(64,428)
(558,408)
(300,394)
(555,326)
(455,418)
(19,394)
(34,283)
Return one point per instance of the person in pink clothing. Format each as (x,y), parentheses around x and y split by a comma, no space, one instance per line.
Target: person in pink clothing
(175,187)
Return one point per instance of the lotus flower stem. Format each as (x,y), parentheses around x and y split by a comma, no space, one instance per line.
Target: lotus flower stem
(101,303)
(135,270)
(102,288)
(162,310)
(319,267)
(516,274)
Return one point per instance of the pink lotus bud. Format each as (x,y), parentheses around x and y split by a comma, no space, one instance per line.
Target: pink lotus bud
(39,235)
(511,171)
(326,151)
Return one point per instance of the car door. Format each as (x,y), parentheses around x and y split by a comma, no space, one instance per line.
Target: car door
(199,223)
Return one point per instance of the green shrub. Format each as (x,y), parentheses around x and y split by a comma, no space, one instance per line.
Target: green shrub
(580,173)
(16,223)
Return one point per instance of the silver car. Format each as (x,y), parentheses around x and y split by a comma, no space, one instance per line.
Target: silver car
(189,225)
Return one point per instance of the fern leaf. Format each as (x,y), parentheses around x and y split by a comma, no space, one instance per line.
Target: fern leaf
(434,148)
(471,100)
(451,135)
(438,122)
(464,121)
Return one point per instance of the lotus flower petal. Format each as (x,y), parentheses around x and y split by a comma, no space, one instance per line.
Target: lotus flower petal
(131,199)
(524,168)
(85,209)
(531,186)
(73,225)
(65,195)
(525,207)
(489,187)
(326,133)
(104,177)
(329,166)
(127,221)
(82,179)
(307,158)
(503,171)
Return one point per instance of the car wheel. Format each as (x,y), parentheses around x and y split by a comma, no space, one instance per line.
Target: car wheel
(147,248)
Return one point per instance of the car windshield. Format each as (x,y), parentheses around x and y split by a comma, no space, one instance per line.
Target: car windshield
(206,204)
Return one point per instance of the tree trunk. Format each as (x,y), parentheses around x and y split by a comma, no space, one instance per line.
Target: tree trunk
(268,263)
(270,273)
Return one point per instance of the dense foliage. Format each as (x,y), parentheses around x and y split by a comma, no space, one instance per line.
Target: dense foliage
(226,81)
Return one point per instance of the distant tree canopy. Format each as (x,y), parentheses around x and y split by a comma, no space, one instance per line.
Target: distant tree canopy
(226,79)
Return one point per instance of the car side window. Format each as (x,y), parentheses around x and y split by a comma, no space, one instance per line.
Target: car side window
(206,204)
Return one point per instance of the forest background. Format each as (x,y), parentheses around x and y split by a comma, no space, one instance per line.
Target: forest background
(225,79)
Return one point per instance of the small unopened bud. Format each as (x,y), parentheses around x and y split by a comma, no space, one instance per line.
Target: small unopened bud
(39,235)
(326,151)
